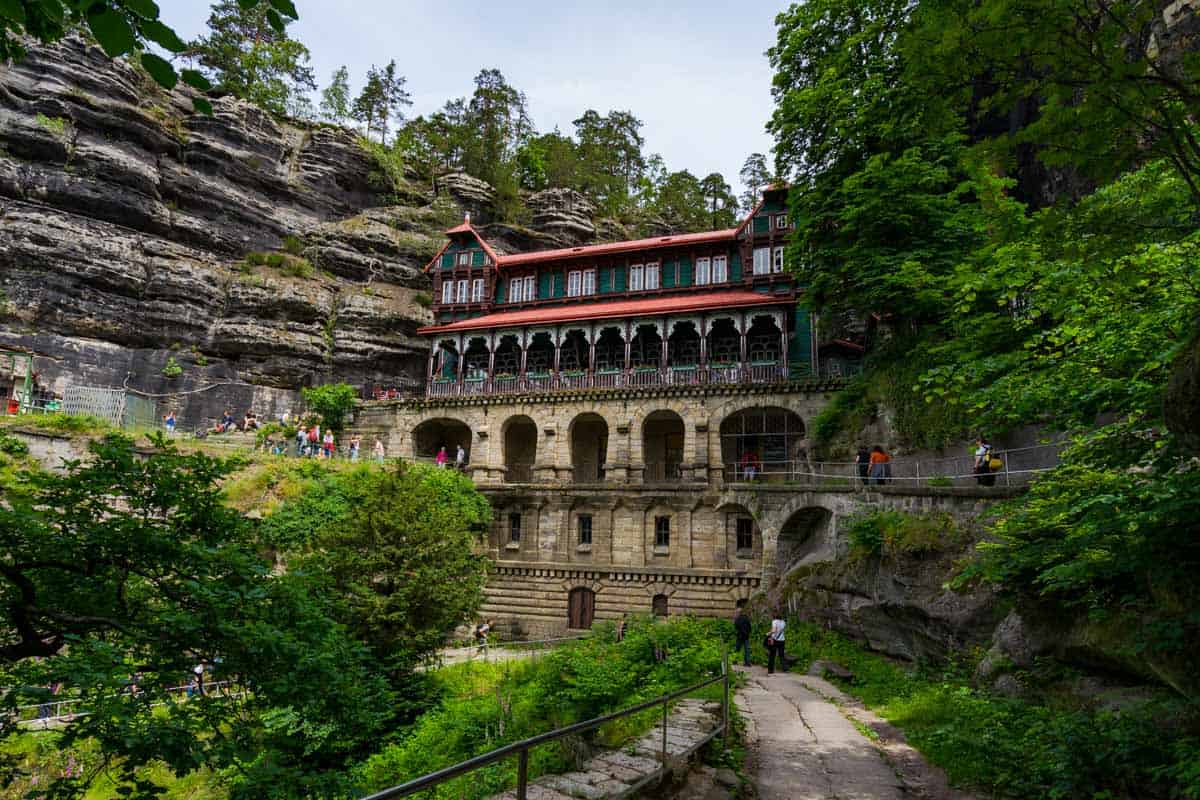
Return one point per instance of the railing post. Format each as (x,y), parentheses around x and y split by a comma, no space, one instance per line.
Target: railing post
(664,735)
(725,704)
(522,774)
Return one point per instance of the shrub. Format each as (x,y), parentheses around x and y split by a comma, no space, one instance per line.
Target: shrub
(332,401)
(172,369)
(11,445)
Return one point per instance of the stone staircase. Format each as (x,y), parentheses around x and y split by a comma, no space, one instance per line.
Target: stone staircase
(621,773)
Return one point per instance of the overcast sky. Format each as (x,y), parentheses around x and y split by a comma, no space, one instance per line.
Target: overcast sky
(694,72)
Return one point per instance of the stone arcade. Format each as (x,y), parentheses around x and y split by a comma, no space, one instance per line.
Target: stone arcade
(607,398)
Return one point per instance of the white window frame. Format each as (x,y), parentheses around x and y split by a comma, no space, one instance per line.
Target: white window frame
(574,283)
(720,269)
(777,260)
(703,271)
(589,281)
(653,276)
(477,290)
(464,258)
(464,290)
(636,278)
(447,292)
(762,261)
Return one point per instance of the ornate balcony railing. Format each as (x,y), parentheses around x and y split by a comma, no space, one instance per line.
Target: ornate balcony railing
(636,377)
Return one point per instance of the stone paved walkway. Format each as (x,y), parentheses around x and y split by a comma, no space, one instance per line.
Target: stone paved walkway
(803,748)
(620,773)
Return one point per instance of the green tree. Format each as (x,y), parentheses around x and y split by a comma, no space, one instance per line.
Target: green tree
(1098,87)
(128,570)
(719,199)
(405,558)
(755,176)
(251,56)
(335,98)
(381,100)
(122,27)
(332,401)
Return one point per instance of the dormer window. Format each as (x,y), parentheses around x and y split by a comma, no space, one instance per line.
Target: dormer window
(464,259)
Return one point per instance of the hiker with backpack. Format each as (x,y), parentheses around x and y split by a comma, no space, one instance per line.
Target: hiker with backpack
(986,463)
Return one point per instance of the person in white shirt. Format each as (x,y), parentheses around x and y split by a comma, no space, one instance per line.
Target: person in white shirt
(775,643)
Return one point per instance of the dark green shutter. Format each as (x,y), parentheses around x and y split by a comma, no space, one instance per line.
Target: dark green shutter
(618,279)
(668,275)
(603,285)
(558,285)
(545,282)
(686,273)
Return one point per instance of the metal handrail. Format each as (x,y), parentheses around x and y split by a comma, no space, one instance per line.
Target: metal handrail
(521,749)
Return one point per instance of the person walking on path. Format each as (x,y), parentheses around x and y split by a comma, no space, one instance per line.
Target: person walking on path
(355,443)
(741,627)
(460,458)
(481,636)
(441,458)
(881,467)
(775,644)
(380,453)
(862,463)
(983,463)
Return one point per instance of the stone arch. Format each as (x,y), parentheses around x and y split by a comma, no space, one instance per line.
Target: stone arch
(663,439)
(767,437)
(431,435)
(588,434)
(520,436)
(806,536)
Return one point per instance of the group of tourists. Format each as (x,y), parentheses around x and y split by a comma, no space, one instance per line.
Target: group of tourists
(874,466)
(443,458)
(773,642)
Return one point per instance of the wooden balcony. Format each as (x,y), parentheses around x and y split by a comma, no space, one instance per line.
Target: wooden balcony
(633,378)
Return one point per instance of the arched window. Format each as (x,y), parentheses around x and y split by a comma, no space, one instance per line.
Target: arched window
(581,608)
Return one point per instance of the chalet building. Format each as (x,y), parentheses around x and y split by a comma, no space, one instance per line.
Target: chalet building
(609,400)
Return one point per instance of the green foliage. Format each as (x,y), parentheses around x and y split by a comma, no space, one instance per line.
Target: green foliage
(171,369)
(11,445)
(121,27)
(249,53)
(131,569)
(485,706)
(1014,749)
(56,125)
(332,401)
(894,533)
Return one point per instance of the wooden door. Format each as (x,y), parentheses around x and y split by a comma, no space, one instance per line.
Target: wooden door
(581,608)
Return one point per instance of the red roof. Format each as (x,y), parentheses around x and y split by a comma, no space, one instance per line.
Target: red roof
(616,247)
(465,227)
(651,306)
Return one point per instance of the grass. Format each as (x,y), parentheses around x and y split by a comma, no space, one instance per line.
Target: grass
(1011,748)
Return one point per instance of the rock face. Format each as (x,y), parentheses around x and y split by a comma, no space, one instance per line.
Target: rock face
(565,214)
(125,221)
